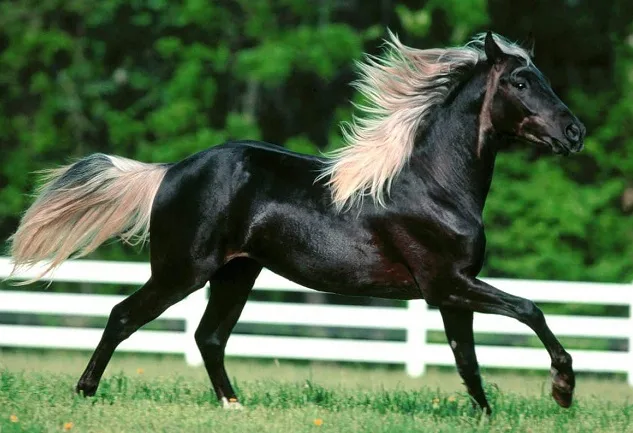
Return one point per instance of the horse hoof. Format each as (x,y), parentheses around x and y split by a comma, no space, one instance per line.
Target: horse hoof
(563,398)
(231,404)
(86,389)
(562,389)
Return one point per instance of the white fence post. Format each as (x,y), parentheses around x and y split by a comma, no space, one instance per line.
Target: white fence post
(416,337)
(195,305)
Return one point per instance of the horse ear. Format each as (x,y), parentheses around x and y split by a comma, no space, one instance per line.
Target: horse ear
(494,54)
(529,44)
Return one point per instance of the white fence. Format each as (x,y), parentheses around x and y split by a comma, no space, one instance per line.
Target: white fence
(416,319)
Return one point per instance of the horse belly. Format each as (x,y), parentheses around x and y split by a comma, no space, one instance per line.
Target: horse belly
(346,268)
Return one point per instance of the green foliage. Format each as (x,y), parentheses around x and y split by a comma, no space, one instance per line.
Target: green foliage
(158,81)
(321,50)
(464,16)
(545,225)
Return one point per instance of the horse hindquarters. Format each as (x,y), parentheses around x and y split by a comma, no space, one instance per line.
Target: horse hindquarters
(177,270)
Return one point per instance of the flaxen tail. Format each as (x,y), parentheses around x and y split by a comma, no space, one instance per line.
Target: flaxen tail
(82,205)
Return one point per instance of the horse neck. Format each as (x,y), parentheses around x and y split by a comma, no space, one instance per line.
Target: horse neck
(448,156)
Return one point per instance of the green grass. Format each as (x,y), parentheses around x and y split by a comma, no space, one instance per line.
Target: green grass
(166,396)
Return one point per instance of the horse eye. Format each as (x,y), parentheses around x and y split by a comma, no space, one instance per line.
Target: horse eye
(520,85)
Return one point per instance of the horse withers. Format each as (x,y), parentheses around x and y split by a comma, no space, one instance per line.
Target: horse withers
(396,213)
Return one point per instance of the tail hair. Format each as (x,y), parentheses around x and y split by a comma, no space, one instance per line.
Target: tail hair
(81,205)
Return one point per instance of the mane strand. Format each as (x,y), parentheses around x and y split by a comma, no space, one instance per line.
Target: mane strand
(401,88)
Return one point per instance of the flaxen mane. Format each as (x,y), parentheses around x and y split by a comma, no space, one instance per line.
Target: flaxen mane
(401,88)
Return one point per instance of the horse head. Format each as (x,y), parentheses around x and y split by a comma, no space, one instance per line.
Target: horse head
(521,104)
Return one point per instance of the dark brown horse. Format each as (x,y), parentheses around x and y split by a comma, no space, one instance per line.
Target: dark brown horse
(397,213)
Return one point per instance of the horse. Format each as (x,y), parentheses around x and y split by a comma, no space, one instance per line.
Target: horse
(395,213)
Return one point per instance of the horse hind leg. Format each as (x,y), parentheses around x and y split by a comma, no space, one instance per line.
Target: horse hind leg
(230,287)
(140,308)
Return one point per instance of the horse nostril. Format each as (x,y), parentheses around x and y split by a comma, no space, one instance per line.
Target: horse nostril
(573,133)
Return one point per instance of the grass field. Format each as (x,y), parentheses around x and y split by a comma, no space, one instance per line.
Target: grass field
(162,394)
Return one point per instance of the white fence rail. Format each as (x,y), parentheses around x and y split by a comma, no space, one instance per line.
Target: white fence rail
(416,319)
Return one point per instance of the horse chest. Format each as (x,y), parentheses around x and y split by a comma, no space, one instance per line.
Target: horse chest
(415,256)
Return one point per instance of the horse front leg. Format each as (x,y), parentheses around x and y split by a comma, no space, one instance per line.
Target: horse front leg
(458,326)
(476,295)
